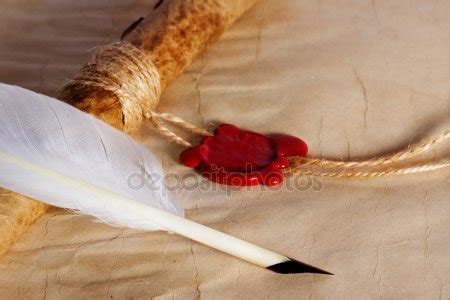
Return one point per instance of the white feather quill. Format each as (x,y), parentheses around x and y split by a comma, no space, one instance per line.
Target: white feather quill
(58,137)
(59,155)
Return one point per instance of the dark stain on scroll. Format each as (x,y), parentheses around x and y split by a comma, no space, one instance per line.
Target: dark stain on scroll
(158,4)
(131,28)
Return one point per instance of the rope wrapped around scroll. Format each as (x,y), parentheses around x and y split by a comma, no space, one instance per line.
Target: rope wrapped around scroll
(124,72)
(129,76)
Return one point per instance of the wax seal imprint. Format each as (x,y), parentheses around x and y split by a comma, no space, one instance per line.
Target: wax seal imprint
(243,158)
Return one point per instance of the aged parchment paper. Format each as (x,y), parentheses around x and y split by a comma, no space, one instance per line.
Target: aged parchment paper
(353,78)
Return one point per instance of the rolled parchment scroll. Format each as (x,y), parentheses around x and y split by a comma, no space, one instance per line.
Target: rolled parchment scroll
(169,38)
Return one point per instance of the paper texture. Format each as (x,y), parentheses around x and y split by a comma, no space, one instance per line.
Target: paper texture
(352,78)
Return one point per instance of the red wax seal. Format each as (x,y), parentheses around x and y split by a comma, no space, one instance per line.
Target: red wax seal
(243,158)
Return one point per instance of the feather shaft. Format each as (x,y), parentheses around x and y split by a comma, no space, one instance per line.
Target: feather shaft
(143,213)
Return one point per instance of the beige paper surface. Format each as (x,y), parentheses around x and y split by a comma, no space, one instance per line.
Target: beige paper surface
(353,78)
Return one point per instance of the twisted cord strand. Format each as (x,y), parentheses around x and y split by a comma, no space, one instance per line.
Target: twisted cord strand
(349,174)
(411,152)
(166,132)
(157,120)
(179,122)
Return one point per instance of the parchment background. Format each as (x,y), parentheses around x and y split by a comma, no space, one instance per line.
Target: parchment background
(353,78)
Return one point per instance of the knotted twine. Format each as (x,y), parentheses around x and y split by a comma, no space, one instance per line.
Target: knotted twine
(130,75)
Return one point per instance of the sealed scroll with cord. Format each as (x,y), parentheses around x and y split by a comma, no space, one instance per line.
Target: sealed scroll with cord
(121,86)
(125,80)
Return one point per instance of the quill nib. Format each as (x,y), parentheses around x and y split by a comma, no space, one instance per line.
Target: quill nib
(293,266)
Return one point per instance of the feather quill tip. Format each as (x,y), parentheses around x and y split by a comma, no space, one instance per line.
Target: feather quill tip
(293,266)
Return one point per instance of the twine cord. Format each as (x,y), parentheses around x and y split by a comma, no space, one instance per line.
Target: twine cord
(349,174)
(130,75)
(370,168)
(157,120)
(123,71)
(382,160)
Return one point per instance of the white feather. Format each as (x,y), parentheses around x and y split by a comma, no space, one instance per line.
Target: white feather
(59,155)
